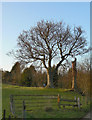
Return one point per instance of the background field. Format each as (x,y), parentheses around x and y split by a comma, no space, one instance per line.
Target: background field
(40,112)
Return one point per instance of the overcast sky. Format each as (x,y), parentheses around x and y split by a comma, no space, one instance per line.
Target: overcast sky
(19,16)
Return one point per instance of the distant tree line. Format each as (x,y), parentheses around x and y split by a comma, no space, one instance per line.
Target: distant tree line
(30,77)
(83,77)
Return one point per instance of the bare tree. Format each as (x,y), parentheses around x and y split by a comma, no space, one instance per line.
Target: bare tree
(47,41)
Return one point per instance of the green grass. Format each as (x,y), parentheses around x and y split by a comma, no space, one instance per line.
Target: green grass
(41,112)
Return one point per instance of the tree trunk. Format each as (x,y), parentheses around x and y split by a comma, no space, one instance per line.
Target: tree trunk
(49,78)
(55,78)
(52,78)
(74,73)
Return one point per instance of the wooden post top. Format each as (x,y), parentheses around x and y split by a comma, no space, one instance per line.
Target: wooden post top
(74,64)
(74,60)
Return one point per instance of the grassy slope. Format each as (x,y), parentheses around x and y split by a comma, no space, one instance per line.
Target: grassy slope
(7,90)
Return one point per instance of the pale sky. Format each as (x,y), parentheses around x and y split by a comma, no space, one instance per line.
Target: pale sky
(19,16)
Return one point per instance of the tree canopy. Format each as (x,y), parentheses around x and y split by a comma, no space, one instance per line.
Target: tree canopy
(27,76)
(48,41)
(16,73)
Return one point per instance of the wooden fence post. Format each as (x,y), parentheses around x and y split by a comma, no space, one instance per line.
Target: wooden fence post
(4,114)
(9,117)
(11,104)
(75,100)
(24,110)
(82,100)
(58,100)
(78,102)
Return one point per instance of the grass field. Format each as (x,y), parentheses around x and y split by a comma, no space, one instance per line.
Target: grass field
(68,112)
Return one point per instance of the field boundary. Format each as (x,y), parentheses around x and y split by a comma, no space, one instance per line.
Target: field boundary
(23,102)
